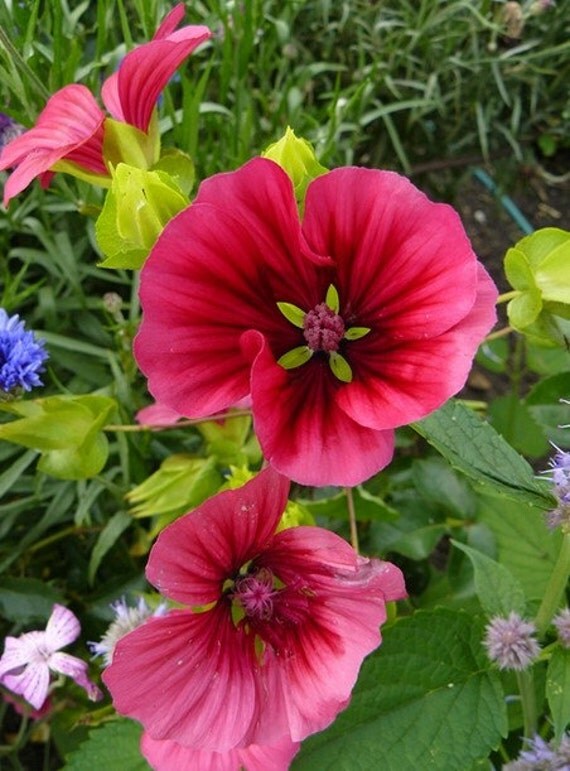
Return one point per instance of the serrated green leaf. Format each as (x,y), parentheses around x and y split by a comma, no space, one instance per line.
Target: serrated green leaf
(558,689)
(114,747)
(427,699)
(439,484)
(476,449)
(498,590)
(525,546)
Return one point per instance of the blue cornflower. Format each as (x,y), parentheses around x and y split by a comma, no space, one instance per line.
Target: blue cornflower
(9,129)
(21,356)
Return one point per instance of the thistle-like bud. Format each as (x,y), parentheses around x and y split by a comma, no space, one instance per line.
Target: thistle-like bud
(510,642)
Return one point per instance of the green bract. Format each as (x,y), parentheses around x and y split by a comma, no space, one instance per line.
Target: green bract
(537,267)
(66,430)
(138,206)
(297,157)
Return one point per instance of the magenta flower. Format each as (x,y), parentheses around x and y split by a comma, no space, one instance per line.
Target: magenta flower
(166,755)
(363,318)
(27,660)
(275,631)
(71,131)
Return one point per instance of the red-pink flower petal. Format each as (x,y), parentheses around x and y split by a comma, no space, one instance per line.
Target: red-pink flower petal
(195,554)
(406,382)
(170,22)
(214,273)
(130,94)
(157,415)
(70,119)
(188,677)
(384,233)
(318,661)
(302,431)
(166,756)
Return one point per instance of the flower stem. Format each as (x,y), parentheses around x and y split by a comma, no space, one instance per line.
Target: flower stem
(556,587)
(180,424)
(506,296)
(352,518)
(525,682)
(499,333)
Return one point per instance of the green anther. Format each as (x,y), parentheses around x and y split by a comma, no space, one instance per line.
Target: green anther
(340,367)
(295,357)
(355,333)
(292,313)
(332,299)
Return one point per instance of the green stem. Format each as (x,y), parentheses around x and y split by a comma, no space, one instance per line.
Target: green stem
(525,681)
(352,518)
(555,589)
(499,333)
(506,296)
(180,424)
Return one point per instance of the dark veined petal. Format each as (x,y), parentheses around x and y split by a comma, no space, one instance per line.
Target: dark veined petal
(131,94)
(219,269)
(187,677)
(195,554)
(405,265)
(302,431)
(399,384)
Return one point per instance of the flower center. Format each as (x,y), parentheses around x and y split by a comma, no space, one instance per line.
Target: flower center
(255,594)
(323,329)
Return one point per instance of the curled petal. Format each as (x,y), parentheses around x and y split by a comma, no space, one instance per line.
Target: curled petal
(77,670)
(70,119)
(131,94)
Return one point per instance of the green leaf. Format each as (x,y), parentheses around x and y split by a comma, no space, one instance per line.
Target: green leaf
(292,313)
(513,420)
(118,523)
(67,430)
(475,448)
(518,270)
(525,546)
(439,484)
(114,747)
(368,507)
(427,699)
(524,309)
(498,590)
(26,600)
(545,405)
(558,689)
